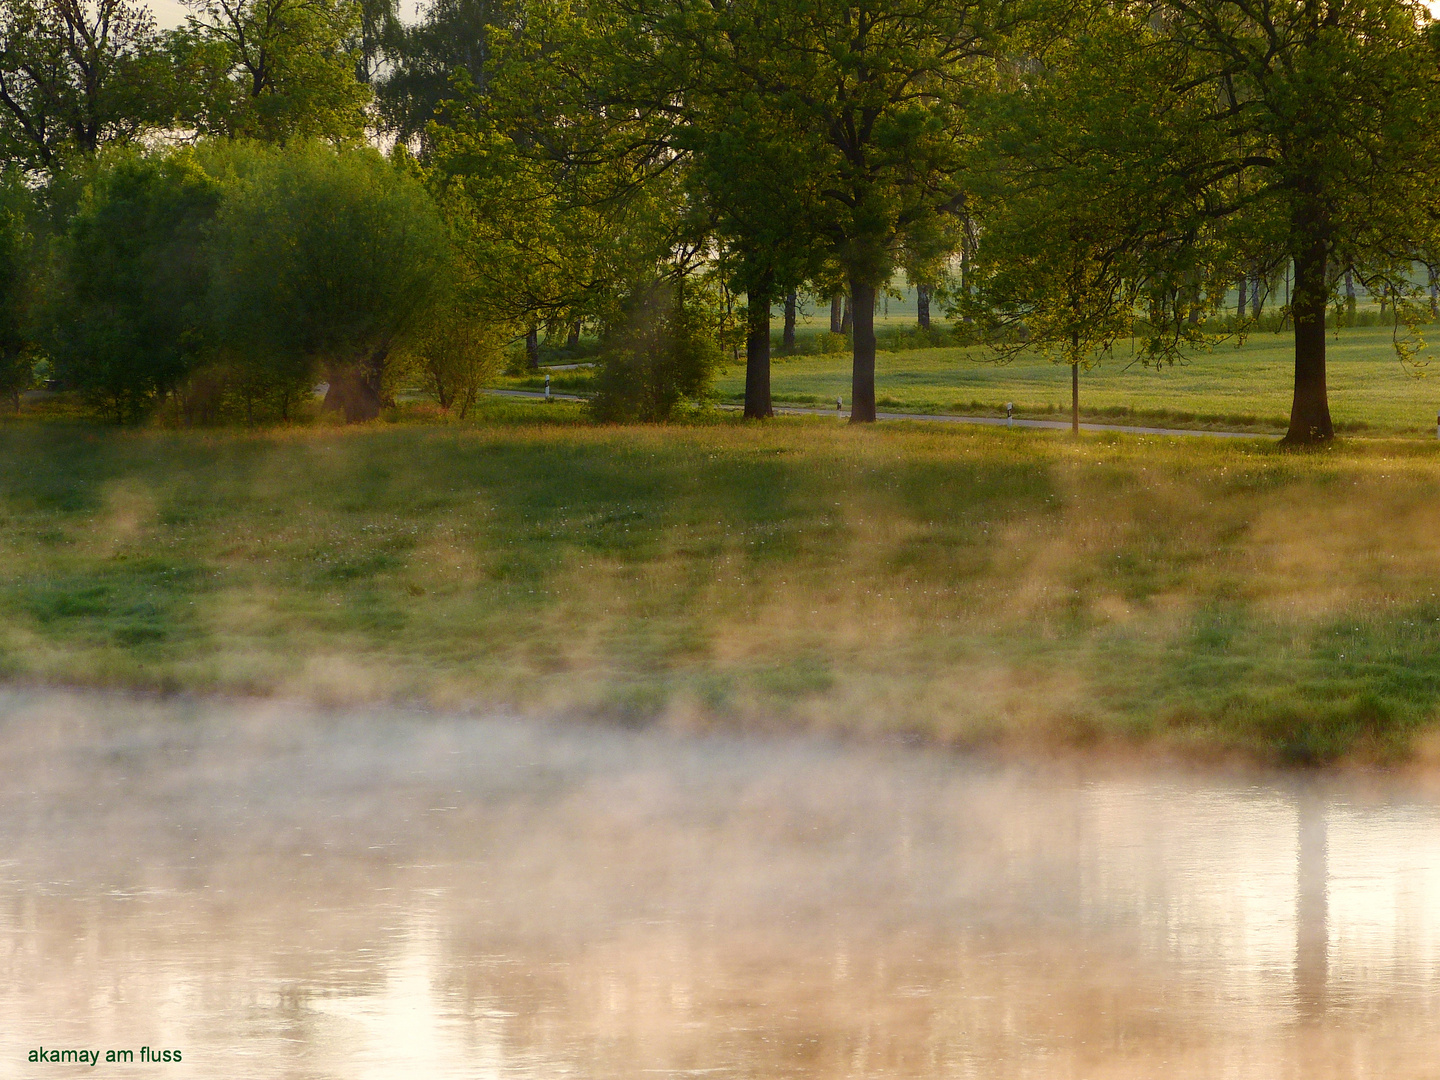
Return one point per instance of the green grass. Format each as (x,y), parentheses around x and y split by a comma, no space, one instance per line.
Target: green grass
(964,585)
(1245,386)
(1239,386)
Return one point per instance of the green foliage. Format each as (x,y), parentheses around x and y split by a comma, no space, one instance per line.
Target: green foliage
(454,352)
(450,41)
(126,316)
(76,76)
(17,273)
(1168,152)
(272,70)
(661,355)
(324,258)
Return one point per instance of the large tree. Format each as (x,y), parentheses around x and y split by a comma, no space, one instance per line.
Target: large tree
(1252,136)
(1076,246)
(450,41)
(273,70)
(567,199)
(808,131)
(880,90)
(754,180)
(76,75)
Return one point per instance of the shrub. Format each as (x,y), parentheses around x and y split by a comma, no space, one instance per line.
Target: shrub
(662,354)
(455,354)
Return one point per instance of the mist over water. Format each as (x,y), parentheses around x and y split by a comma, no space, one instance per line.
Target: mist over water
(279,892)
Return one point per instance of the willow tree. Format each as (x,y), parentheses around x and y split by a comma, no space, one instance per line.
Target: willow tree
(325,259)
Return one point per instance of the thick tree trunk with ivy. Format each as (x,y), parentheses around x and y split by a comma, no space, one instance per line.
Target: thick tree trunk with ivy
(862,378)
(757,354)
(791,307)
(1310,409)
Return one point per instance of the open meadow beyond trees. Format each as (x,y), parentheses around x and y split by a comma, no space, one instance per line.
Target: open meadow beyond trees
(968,586)
(1239,385)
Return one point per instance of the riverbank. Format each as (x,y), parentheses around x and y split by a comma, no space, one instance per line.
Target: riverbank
(968,586)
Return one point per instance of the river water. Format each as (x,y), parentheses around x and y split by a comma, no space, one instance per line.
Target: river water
(275,892)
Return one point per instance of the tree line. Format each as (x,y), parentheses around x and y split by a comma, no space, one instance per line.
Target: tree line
(200,217)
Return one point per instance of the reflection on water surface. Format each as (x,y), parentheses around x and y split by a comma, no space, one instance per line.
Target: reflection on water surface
(289,894)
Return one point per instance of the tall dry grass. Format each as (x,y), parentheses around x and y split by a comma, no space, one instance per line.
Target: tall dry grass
(962,585)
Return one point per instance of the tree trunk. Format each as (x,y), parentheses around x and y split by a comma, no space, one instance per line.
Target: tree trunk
(572,342)
(922,306)
(862,379)
(532,348)
(1434,290)
(1310,410)
(354,390)
(757,354)
(791,307)
(1349,292)
(1257,297)
(1240,307)
(847,319)
(836,319)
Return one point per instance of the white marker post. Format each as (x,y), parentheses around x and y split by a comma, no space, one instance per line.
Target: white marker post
(547,386)
(1009,414)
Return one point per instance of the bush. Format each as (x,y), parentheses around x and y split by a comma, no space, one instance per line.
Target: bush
(126,319)
(915,337)
(455,354)
(661,355)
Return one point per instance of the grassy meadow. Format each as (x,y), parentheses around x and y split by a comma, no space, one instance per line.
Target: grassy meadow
(968,586)
(1239,386)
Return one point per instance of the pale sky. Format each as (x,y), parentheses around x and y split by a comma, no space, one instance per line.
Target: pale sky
(169,14)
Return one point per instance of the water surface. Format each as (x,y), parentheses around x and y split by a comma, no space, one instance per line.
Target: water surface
(285,893)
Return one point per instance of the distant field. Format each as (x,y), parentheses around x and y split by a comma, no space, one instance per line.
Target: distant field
(960,584)
(1246,387)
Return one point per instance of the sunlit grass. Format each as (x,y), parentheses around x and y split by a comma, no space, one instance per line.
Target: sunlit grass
(1245,386)
(966,585)
(1240,385)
